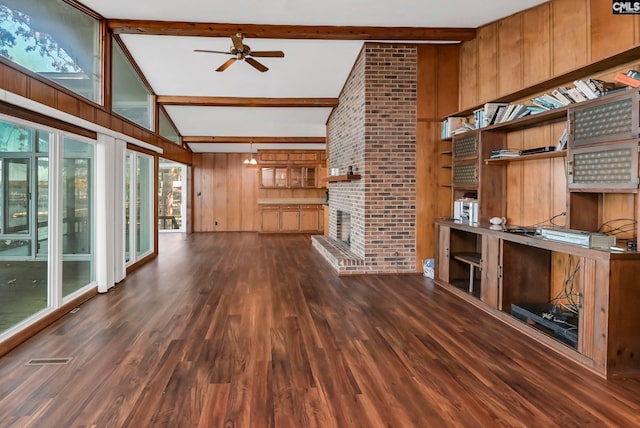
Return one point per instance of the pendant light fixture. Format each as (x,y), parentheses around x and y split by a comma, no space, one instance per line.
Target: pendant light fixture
(250,160)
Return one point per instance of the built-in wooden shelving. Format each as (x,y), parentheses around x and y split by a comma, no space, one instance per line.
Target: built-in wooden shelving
(554,154)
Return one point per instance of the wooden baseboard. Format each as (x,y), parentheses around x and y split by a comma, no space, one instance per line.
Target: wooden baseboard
(13,341)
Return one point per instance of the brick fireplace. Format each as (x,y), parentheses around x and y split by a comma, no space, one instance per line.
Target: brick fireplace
(373,131)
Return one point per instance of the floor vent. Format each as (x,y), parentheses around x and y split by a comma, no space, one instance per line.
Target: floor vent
(49,361)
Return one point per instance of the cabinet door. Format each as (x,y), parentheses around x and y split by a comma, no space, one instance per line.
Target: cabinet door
(281,177)
(310,177)
(442,267)
(296,176)
(267,177)
(270,219)
(309,219)
(489,288)
(290,219)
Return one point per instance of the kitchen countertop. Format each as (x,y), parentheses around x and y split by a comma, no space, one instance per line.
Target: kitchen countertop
(292,201)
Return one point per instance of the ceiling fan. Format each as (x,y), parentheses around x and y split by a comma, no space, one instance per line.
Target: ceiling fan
(244,52)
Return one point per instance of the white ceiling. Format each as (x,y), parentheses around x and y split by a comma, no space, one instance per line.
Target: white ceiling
(310,68)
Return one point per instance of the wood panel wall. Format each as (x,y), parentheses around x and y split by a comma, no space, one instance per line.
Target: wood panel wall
(225,193)
(530,47)
(437,97)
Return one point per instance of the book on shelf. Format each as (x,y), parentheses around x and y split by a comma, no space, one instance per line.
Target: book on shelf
(585,89)
(627,79)
(562,141)
(452,124)
(547,102)
(563,96)
(575,94)
(505,153)
(490,110)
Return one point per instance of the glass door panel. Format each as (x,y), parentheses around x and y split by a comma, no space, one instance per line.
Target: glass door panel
(16,197)
(144,204)
(77,216)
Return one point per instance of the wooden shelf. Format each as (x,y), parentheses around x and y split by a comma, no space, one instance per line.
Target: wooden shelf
(545,155)
(342,178)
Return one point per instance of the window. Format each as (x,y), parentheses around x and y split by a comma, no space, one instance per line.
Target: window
(131,98)
(55,40)
(166,129)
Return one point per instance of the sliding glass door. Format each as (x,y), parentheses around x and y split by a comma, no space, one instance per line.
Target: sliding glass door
(46,245)
(139,206)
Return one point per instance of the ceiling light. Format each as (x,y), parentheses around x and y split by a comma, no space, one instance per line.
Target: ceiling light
(250,160)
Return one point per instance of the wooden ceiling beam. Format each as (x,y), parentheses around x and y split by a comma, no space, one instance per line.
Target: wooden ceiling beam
(325,32)
(255,140)
(174,100)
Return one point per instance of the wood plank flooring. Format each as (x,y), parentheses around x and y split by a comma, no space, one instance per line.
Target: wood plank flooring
(244,330)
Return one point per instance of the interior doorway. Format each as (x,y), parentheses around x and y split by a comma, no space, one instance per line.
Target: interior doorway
(172,203)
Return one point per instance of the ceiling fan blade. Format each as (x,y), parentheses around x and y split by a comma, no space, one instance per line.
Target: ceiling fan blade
(256,64)
(237,42)
(206,51)
(268,54)
(226,65)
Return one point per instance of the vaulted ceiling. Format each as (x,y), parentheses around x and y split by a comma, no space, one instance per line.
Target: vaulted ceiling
(290,103)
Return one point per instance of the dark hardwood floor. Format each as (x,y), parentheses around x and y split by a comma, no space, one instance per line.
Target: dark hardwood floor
(244,330)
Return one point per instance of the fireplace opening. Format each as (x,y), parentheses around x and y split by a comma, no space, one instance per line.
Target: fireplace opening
(343,229)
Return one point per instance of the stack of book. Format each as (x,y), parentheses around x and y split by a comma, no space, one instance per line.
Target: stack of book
(505,153)
(583,90)
(454,125)
(493,113)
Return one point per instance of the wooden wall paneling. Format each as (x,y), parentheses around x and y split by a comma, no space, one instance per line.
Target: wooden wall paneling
(203,188)
(510,51)
(13,81)
(426,182)
(448,70)
(537,188)
(609,33)
(103,118)
(67,103)
(559,177)
(536,40)
(488,62)
(220,192)
(571,36)
(250,211)
(42,93)
(196,199)
(427,84)
(515,188)
(620,210)
(468,81)
(234,191)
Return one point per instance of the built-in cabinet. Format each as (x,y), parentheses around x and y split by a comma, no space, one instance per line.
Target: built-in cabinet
(580,301)
(291,218)
(520,279)
(293,169)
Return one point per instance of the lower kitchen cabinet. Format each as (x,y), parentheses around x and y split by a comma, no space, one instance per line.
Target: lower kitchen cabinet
(281,218)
